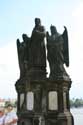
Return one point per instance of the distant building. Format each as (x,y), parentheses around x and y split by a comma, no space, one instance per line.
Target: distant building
(2,102)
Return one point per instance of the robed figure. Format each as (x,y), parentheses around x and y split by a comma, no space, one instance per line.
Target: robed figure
(57,53)
(23,54)
(37,46)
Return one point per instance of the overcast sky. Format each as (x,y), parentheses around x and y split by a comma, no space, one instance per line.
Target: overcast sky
(17,17)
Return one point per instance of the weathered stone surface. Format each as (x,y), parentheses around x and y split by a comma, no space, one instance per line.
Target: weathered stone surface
(42,100)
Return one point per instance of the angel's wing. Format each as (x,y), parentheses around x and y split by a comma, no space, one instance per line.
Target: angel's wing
(18,48)
(65,47)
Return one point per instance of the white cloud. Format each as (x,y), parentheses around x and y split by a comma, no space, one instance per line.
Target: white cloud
(76,45)
(9,71)
(76,52)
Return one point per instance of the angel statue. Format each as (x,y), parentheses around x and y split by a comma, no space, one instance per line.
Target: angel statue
(57,53)
(23,54)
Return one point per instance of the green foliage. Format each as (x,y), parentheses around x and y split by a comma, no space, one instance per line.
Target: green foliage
(76,102)
(14,104)
(7,102)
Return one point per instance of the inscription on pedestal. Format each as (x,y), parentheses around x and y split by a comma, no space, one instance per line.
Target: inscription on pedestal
(53,103)
(30,100)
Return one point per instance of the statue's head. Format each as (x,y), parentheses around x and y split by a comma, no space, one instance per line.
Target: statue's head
(53,29)
(37,21)
(24,36)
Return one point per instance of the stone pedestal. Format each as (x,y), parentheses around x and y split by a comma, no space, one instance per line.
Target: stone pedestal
(43,102)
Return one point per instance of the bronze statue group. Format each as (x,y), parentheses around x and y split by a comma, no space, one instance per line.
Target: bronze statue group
(32,51)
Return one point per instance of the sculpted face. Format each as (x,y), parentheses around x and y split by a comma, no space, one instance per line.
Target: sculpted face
(37,21)
(24,36)
(53,29)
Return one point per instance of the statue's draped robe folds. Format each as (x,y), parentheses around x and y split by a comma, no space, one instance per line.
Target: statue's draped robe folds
(37,47)
(56,54)
(23,54)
